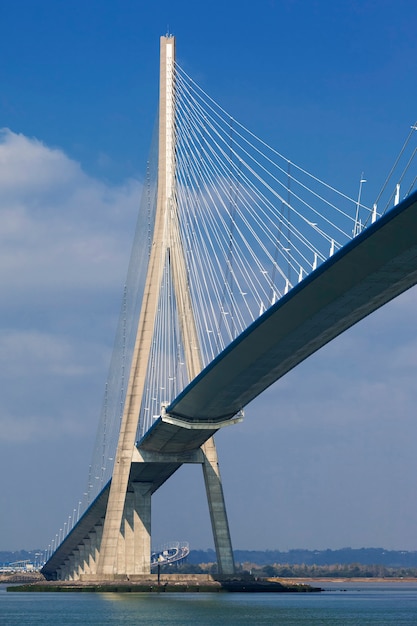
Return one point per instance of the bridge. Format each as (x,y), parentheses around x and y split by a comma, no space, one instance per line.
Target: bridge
(171,554)
(244,264)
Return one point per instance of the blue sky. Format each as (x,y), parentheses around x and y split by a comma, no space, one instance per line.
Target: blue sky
(325,458)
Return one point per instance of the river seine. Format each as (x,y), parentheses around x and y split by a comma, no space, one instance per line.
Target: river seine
(348,604)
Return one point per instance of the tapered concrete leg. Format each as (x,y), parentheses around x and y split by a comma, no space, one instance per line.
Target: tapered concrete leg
(107,563)
(81,562)
(129,534)
(64,570)
(217,508)
(142,527)
(99,533)
(92,556)
(76,564)
(70,568)
(121,550)
(87,552)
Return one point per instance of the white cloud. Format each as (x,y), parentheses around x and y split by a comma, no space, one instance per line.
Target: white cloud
(21,351)
(58,226)
(38,428)
(27,165)
(65,240)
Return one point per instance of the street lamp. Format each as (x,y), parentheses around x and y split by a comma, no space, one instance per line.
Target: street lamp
(357,225)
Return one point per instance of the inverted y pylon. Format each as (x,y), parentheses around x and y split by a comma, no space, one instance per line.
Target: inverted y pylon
(126,537)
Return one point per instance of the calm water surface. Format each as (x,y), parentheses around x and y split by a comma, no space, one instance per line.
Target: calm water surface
(349,603)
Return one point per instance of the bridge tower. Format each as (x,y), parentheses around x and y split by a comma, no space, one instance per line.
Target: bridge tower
(125,545)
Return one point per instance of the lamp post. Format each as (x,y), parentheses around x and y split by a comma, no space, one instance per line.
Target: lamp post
(357,225)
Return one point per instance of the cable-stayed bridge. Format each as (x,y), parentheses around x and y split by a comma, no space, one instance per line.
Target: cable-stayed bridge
(243,265)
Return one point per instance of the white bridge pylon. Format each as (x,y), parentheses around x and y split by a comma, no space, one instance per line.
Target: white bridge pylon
(166,253)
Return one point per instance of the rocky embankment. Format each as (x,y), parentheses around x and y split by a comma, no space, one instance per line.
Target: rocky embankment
(21,577)
(192,584)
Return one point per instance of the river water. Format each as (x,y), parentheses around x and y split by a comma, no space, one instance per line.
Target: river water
(340,604)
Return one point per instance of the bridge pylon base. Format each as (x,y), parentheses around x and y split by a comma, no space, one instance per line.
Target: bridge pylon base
(149,470)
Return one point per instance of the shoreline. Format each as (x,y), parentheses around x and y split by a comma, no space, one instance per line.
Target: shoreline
(171,583)
(357,579)
(194,584)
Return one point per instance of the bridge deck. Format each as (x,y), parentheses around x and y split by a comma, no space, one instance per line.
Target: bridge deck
(87,522)
(371,270)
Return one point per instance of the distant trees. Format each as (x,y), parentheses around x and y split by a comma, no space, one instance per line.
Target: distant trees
(352,570)
(343,556)
(303,570)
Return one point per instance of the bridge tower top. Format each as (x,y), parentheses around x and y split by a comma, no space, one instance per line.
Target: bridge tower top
(166,164)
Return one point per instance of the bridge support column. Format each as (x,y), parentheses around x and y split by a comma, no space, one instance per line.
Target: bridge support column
(64,570)
(76,564)
(86,555)
(92,560)
(67,570)
(217,508)
(128,532)
(81,561)
(142,528)
(70,568)
(99,533)
(121,549)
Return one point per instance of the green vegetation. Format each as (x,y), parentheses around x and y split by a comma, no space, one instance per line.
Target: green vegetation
(285,570)
(352,570)
(345,556)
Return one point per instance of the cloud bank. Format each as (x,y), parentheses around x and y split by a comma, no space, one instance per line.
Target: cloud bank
(65,239)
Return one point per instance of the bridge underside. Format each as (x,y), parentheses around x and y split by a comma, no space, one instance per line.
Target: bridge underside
(371,270)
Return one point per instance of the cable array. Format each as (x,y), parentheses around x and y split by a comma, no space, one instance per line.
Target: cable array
(253,223)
